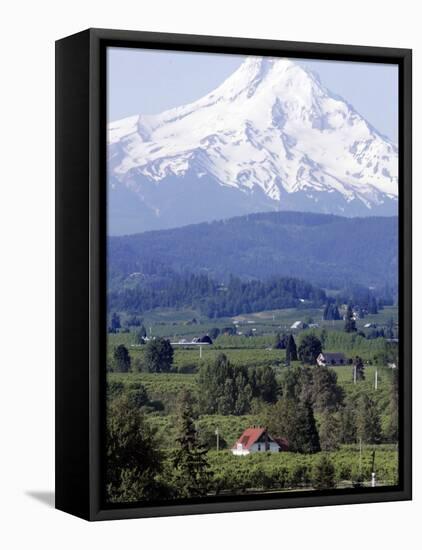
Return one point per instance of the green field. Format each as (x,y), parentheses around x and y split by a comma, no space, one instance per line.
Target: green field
(278,471)
(172,323)
(253,347)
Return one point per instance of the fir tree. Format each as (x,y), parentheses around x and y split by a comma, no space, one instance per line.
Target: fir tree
(296,422)
(336,313)
(323,474)
(309,349)
(310,438)
(134,463)
(329,431)
(291,350)
(159,355)
(121,359)
(392,430)
(326,393)
(267,384)
(359,367)
(192,475)
(349,322)
(331,312)
(347,423)
(368,422)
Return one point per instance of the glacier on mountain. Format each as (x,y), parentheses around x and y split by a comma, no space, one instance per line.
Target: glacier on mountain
(270,137)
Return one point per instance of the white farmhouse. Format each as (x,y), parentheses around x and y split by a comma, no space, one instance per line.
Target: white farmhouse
(256,440)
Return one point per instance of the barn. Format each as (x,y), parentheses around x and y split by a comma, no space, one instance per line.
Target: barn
(256,440)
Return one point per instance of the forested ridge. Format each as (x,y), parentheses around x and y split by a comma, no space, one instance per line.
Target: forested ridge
(329,251)
(212,298)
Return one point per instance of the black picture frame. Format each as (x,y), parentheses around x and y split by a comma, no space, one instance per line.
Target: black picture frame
(80,269)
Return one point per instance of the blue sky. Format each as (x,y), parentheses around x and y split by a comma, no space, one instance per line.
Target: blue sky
(150,81)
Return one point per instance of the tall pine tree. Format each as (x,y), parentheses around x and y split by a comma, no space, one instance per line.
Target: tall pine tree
(359,367)
(368,421)
(349,322)
(192,475)
(291,350)
(295,422)
(134,462)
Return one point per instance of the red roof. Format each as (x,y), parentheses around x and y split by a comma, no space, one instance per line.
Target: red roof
(249,436)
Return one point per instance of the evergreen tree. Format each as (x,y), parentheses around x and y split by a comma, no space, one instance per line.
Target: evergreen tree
(310,438)
(291,350)
(309,349)
(326,393)
(331,312)
(329,431)
(347,422)
(243,392)
(266,384)
(349,322)
(296,383)
(192,475)
(296,423)
(229,389)
(336,313)
(392,429)
(323,474)
(360,368)
(121,359)
(134,463)
(158,355)
(368,422)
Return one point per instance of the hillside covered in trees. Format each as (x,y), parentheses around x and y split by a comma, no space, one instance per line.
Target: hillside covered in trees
(329,251)
(212,299)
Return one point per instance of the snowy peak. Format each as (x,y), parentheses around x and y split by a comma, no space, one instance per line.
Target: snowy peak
(272,130)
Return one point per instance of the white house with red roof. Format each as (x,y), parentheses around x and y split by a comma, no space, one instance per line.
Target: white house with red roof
(257,440)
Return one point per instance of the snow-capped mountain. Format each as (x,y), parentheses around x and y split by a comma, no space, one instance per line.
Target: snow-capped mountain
(270,137)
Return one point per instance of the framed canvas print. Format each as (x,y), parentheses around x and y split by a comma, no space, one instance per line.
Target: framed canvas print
(233,274)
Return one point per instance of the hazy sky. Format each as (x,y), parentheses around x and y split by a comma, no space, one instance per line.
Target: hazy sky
(150,81)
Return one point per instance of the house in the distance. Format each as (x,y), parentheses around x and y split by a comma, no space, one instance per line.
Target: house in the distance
(298,325)
(258,440)
(332,359)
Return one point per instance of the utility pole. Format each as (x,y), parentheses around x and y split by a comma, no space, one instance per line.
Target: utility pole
(217,433)
(374,481)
